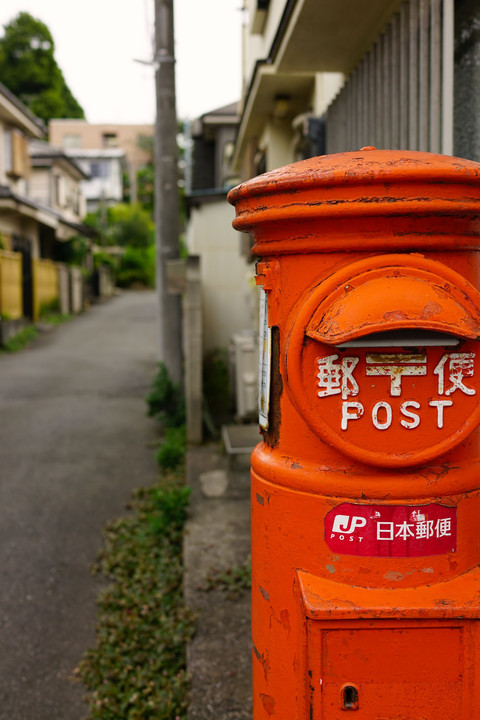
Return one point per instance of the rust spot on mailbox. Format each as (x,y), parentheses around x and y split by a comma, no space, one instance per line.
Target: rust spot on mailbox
(370,460)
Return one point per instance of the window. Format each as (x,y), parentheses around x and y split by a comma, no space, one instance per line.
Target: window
(99,169)
(60,191)
(15,149)
(72,141)
(110,140)
(7,151)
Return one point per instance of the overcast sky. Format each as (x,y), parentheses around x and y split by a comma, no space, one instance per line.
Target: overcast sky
(97,41)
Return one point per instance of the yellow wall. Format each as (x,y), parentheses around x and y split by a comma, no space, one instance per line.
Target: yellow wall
(11,296)
(45,285)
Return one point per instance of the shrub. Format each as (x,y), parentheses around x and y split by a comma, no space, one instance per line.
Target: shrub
(216,384)
(172,451)
(137,267)
(49,308)
(104,258)
(130,225)
(165,399)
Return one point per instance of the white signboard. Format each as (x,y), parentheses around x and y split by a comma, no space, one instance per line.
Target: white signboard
(264,361)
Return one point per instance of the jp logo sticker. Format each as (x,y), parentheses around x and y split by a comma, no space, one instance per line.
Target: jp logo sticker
(391,530)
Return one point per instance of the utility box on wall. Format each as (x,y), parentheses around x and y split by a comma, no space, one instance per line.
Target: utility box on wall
(366,487)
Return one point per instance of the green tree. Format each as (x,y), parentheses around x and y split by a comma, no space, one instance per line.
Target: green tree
(129,225)
(145,186)
(29,70)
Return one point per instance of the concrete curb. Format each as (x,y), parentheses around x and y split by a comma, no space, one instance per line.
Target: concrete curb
(218,537)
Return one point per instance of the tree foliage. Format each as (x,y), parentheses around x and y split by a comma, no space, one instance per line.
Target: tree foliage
(129,227)
(123,225)
(29,70)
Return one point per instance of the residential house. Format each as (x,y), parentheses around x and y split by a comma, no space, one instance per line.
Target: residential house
(326,77)
(55,180)
(228,291)
(20,218)
(31,225)
(226,275)
(330,77)
(104,170)
(136,142)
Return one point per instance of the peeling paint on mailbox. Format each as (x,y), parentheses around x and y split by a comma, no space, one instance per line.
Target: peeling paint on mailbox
(367,534)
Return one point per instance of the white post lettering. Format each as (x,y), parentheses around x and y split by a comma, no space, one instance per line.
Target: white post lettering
(404,409)
(395,366)
(388,420)
(440,404)
(358,522)
(346,415)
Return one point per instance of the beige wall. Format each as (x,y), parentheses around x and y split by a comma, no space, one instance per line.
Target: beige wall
(40,186)
(228,288)
(257,45)
(277,142)
(46,183)
(12,223)
(91,137)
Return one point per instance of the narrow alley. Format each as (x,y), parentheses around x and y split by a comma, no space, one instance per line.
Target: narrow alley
(74,441)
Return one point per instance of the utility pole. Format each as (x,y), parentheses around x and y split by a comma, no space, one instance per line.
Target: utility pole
(166,189)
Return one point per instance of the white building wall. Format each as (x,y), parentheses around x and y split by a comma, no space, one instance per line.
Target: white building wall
(257,46)
(109,187)
(228,288)
(277,141)
(327,85)
(39,185)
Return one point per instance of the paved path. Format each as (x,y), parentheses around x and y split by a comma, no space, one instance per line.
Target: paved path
(218,538)
(74,441)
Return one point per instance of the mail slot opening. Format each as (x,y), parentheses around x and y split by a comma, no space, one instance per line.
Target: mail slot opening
(349,697)
(413,337)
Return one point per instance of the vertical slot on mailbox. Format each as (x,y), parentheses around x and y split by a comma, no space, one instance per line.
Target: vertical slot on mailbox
(349,697)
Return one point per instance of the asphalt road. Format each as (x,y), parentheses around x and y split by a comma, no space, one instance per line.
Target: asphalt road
(74,441)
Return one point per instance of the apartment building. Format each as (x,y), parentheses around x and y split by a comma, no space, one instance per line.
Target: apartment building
(328,77)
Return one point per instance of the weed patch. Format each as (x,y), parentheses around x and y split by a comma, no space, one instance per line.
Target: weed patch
(232,580)
(136,671)
(165,402)
(21,339)
(56,318)
(172,450)
(165,399)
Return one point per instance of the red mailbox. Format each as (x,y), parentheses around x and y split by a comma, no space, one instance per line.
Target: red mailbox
(365,489)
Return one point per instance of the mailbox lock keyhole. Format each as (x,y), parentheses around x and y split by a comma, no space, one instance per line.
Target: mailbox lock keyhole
(349,697)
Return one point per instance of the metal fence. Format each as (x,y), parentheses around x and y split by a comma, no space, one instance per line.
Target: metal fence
(400,95)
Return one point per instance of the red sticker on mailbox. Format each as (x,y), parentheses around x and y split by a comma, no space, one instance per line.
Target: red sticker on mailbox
(391,530)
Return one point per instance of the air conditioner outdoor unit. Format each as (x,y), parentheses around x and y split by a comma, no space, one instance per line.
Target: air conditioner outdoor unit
(244,371)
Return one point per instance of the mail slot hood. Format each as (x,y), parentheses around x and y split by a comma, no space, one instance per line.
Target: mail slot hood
(403,296)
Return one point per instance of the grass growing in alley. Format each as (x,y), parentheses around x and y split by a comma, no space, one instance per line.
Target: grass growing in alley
(21,339)
(136,670)
(30,333)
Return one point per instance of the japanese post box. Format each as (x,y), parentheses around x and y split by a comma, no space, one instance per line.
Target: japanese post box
(366,486)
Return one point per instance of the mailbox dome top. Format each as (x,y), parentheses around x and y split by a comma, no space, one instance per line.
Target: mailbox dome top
(364,166)
(414,193)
